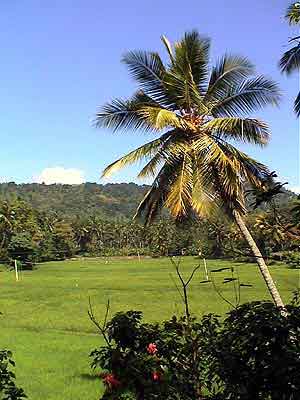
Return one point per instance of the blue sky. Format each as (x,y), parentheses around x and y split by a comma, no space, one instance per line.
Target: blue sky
(61,59)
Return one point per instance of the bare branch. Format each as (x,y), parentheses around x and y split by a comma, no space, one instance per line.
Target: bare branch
(102,329)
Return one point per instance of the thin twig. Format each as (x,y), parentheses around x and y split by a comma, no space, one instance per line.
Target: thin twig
(180,294)
(184,284)
(193,273)
(97,324)
(220,294)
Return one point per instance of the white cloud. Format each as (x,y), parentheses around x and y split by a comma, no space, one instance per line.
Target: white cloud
(70,176)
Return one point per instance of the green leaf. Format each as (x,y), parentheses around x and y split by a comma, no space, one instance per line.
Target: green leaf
(124,114)
(192,56)
(148,70)
(247,130)
(229,71)
(246,98)
(160,118)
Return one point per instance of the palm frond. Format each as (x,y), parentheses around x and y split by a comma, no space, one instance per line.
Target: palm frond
(251,95)
(179,199)
(250,170)
(148,70)
(186,78)
(159,118)
(192,57)
(166,150)
(183,91)
(168,47)
(150,169)
(293,13)
(205,200)
(122,114)
(154,199)
(229,71)
(221,171)
(297,105)
(146,150)
(248,130)
(290,60)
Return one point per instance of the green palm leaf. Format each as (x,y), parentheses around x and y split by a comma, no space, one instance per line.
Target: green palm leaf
(148,70)
(228,71)
(248,130)
(179,199)
(146,150)
(125,114)
(290,60)
(251,170)
(192,57)
(160,118)
(168,47)
(183,90)
(155,198)
(251,95)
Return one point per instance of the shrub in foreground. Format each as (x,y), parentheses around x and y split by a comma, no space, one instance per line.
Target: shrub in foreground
(8,388)
(152,361)
(254,353)
(257,353)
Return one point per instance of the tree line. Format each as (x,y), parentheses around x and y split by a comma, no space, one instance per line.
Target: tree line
(32,235)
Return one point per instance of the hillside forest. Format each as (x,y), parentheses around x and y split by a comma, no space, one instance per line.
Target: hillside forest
(52,222)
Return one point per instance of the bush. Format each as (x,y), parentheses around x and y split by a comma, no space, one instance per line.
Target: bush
(8,388)
(253,354)
(292,258)
(151,361)
(22,248)
(257,353)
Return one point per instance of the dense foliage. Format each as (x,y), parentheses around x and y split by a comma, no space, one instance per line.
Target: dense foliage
(257,353)
(252,354)
(31,232)
(151,361)
(108,201)
(8,388)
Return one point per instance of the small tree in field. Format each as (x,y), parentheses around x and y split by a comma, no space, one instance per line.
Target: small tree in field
(198,112)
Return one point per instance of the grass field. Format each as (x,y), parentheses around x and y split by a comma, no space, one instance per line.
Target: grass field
(45,320)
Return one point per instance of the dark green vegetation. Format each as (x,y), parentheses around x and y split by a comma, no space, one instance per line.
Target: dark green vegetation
(40,223)
(45,321)
(205,358)
(8,386)
(109,201)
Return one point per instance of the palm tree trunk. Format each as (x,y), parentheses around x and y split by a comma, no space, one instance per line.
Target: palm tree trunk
(259,259)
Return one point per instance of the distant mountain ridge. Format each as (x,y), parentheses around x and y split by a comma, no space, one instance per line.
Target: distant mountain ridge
(111,201)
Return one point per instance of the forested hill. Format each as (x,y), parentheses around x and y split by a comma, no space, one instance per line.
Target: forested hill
(115,201)
(109,201)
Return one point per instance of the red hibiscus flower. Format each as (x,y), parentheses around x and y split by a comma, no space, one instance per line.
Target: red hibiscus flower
(156,376)
(151,348)
(110,380)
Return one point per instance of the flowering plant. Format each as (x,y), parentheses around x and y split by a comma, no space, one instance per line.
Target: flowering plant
(154,361)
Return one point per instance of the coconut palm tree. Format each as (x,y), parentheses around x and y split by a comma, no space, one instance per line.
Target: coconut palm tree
(196,114)
(290,61)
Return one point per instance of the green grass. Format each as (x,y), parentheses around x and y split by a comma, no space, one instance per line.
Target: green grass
(45,320)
